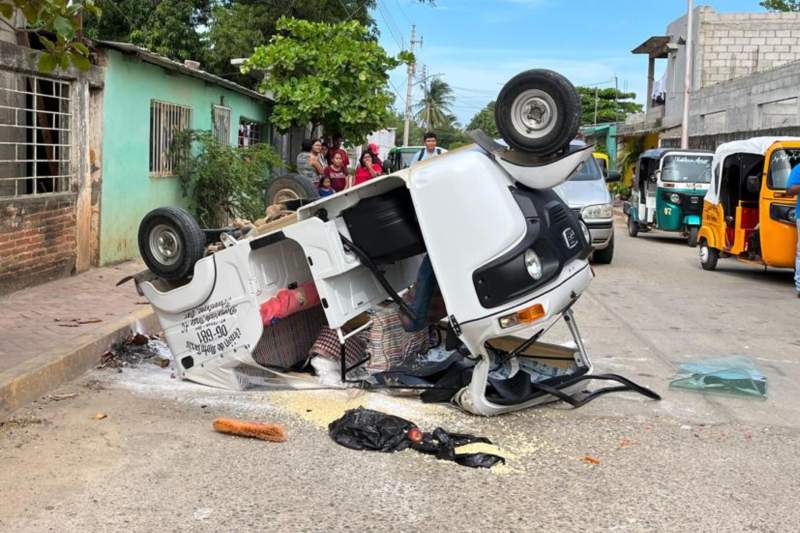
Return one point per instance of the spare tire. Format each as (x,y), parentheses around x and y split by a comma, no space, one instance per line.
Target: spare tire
(171,242)
(291,187)
(538,111)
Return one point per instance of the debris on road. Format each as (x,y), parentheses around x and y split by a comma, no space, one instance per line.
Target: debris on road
(75,322)
(255,430)
(735,375)
(100,416)
(137,349)
(589,460)
(59,397)
(365,429)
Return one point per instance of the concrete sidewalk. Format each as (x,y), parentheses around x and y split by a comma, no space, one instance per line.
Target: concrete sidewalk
(53,332)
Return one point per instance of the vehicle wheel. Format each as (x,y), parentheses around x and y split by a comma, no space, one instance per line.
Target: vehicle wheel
(291,187)
(171,242)
(693,232)
(633,227)
(708,256)
(538,111)
(604,256)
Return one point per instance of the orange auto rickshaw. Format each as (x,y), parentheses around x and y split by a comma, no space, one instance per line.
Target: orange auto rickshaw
(746,212)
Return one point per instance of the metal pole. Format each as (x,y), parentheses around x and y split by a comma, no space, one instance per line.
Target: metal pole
(595,105)
(687,80)
(409,85)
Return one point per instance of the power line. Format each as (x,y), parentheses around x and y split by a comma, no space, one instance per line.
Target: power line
(403,12)
(389,27)
(389,17)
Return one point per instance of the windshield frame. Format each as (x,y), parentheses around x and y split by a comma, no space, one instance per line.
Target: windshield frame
(579,171)
(687,154)
(770,185)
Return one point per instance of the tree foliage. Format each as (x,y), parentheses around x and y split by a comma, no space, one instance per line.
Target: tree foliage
(332,75)
(484,120)
(58,27)
(222,182)
(780,5)
(612,105)
(433,110)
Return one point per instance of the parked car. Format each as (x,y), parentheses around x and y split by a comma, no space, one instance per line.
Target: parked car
(587,194)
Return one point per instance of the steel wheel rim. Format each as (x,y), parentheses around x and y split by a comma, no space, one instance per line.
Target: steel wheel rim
(165,245)
(534,114)
(285,195)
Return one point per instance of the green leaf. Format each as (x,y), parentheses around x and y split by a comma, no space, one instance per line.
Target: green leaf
(81,48)
(64,27)
(80,62)
(48,44)
(6,10)
(47,62)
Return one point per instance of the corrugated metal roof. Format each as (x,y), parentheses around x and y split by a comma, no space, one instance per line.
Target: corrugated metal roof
(150,57)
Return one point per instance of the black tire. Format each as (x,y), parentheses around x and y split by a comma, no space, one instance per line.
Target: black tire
(604,256)
(633,227)
(291,187)
(708,256)
(693,232)
(171,242)
(558,107)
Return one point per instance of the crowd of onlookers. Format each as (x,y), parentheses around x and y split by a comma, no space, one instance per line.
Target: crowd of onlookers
(328,163)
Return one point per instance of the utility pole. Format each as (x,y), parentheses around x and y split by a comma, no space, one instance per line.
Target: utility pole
(596,90)
(410,84)
(687,79)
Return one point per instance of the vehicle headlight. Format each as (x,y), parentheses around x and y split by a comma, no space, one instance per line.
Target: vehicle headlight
(534,265)
(585,230)
(591,212)
(675,198)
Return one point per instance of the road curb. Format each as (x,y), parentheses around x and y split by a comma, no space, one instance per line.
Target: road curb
(47,371)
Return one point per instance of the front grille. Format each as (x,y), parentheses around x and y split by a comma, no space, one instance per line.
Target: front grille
(558,215)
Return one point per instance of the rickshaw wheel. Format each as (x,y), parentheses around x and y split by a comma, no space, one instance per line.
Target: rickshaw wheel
(708,256)
(633,227)
(693,232)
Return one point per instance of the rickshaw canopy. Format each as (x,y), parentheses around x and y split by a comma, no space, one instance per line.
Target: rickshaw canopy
(754,146)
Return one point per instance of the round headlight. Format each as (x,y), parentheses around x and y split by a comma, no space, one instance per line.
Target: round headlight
(533,264)
(674,198)
(586,235)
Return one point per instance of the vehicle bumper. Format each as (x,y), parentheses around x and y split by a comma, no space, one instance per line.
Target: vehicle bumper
(601,232)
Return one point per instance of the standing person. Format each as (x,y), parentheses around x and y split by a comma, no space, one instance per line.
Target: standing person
(430,150)
(324,155)
(367,169)
(793,189)
(307,162)
(338,147)
(375,151)
(337,173)
(325,188)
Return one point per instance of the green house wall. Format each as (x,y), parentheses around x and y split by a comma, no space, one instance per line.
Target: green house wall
(128,190)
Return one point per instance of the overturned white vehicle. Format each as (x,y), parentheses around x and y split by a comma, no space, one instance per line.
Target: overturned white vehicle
(508,256)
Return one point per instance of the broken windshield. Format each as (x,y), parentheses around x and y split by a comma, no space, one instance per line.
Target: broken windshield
(687,168)
(780,166)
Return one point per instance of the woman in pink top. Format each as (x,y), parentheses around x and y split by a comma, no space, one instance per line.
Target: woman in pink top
(366,169)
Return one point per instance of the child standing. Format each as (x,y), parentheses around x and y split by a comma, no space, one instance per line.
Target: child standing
(325,188)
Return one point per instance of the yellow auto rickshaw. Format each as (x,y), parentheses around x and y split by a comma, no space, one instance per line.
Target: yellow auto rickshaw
(746,212)
(602,161)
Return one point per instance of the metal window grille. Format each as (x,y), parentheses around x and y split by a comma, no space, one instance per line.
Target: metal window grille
(165,121)
(222,124)
(35,135)
(250,132)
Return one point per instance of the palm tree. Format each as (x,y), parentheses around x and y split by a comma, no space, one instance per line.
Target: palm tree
(433,111)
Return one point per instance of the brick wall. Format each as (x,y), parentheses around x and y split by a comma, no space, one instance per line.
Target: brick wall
(37,240)
(739,44)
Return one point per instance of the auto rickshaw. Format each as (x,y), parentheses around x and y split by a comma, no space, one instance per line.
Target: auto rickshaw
(746,213)
(602,162)
(668,190)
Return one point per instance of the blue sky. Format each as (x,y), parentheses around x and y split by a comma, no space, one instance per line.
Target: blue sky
(479,44)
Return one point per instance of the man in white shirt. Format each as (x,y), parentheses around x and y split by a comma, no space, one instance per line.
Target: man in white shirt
(430,150)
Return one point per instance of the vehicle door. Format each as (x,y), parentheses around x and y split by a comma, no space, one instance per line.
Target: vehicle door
(777,212)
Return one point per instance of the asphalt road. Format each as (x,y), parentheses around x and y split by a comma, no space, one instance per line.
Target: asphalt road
(688,463)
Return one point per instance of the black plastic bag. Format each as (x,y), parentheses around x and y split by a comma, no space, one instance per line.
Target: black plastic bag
(365,429)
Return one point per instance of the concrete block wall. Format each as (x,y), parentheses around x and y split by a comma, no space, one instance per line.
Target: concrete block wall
(37,240)
(732,45)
